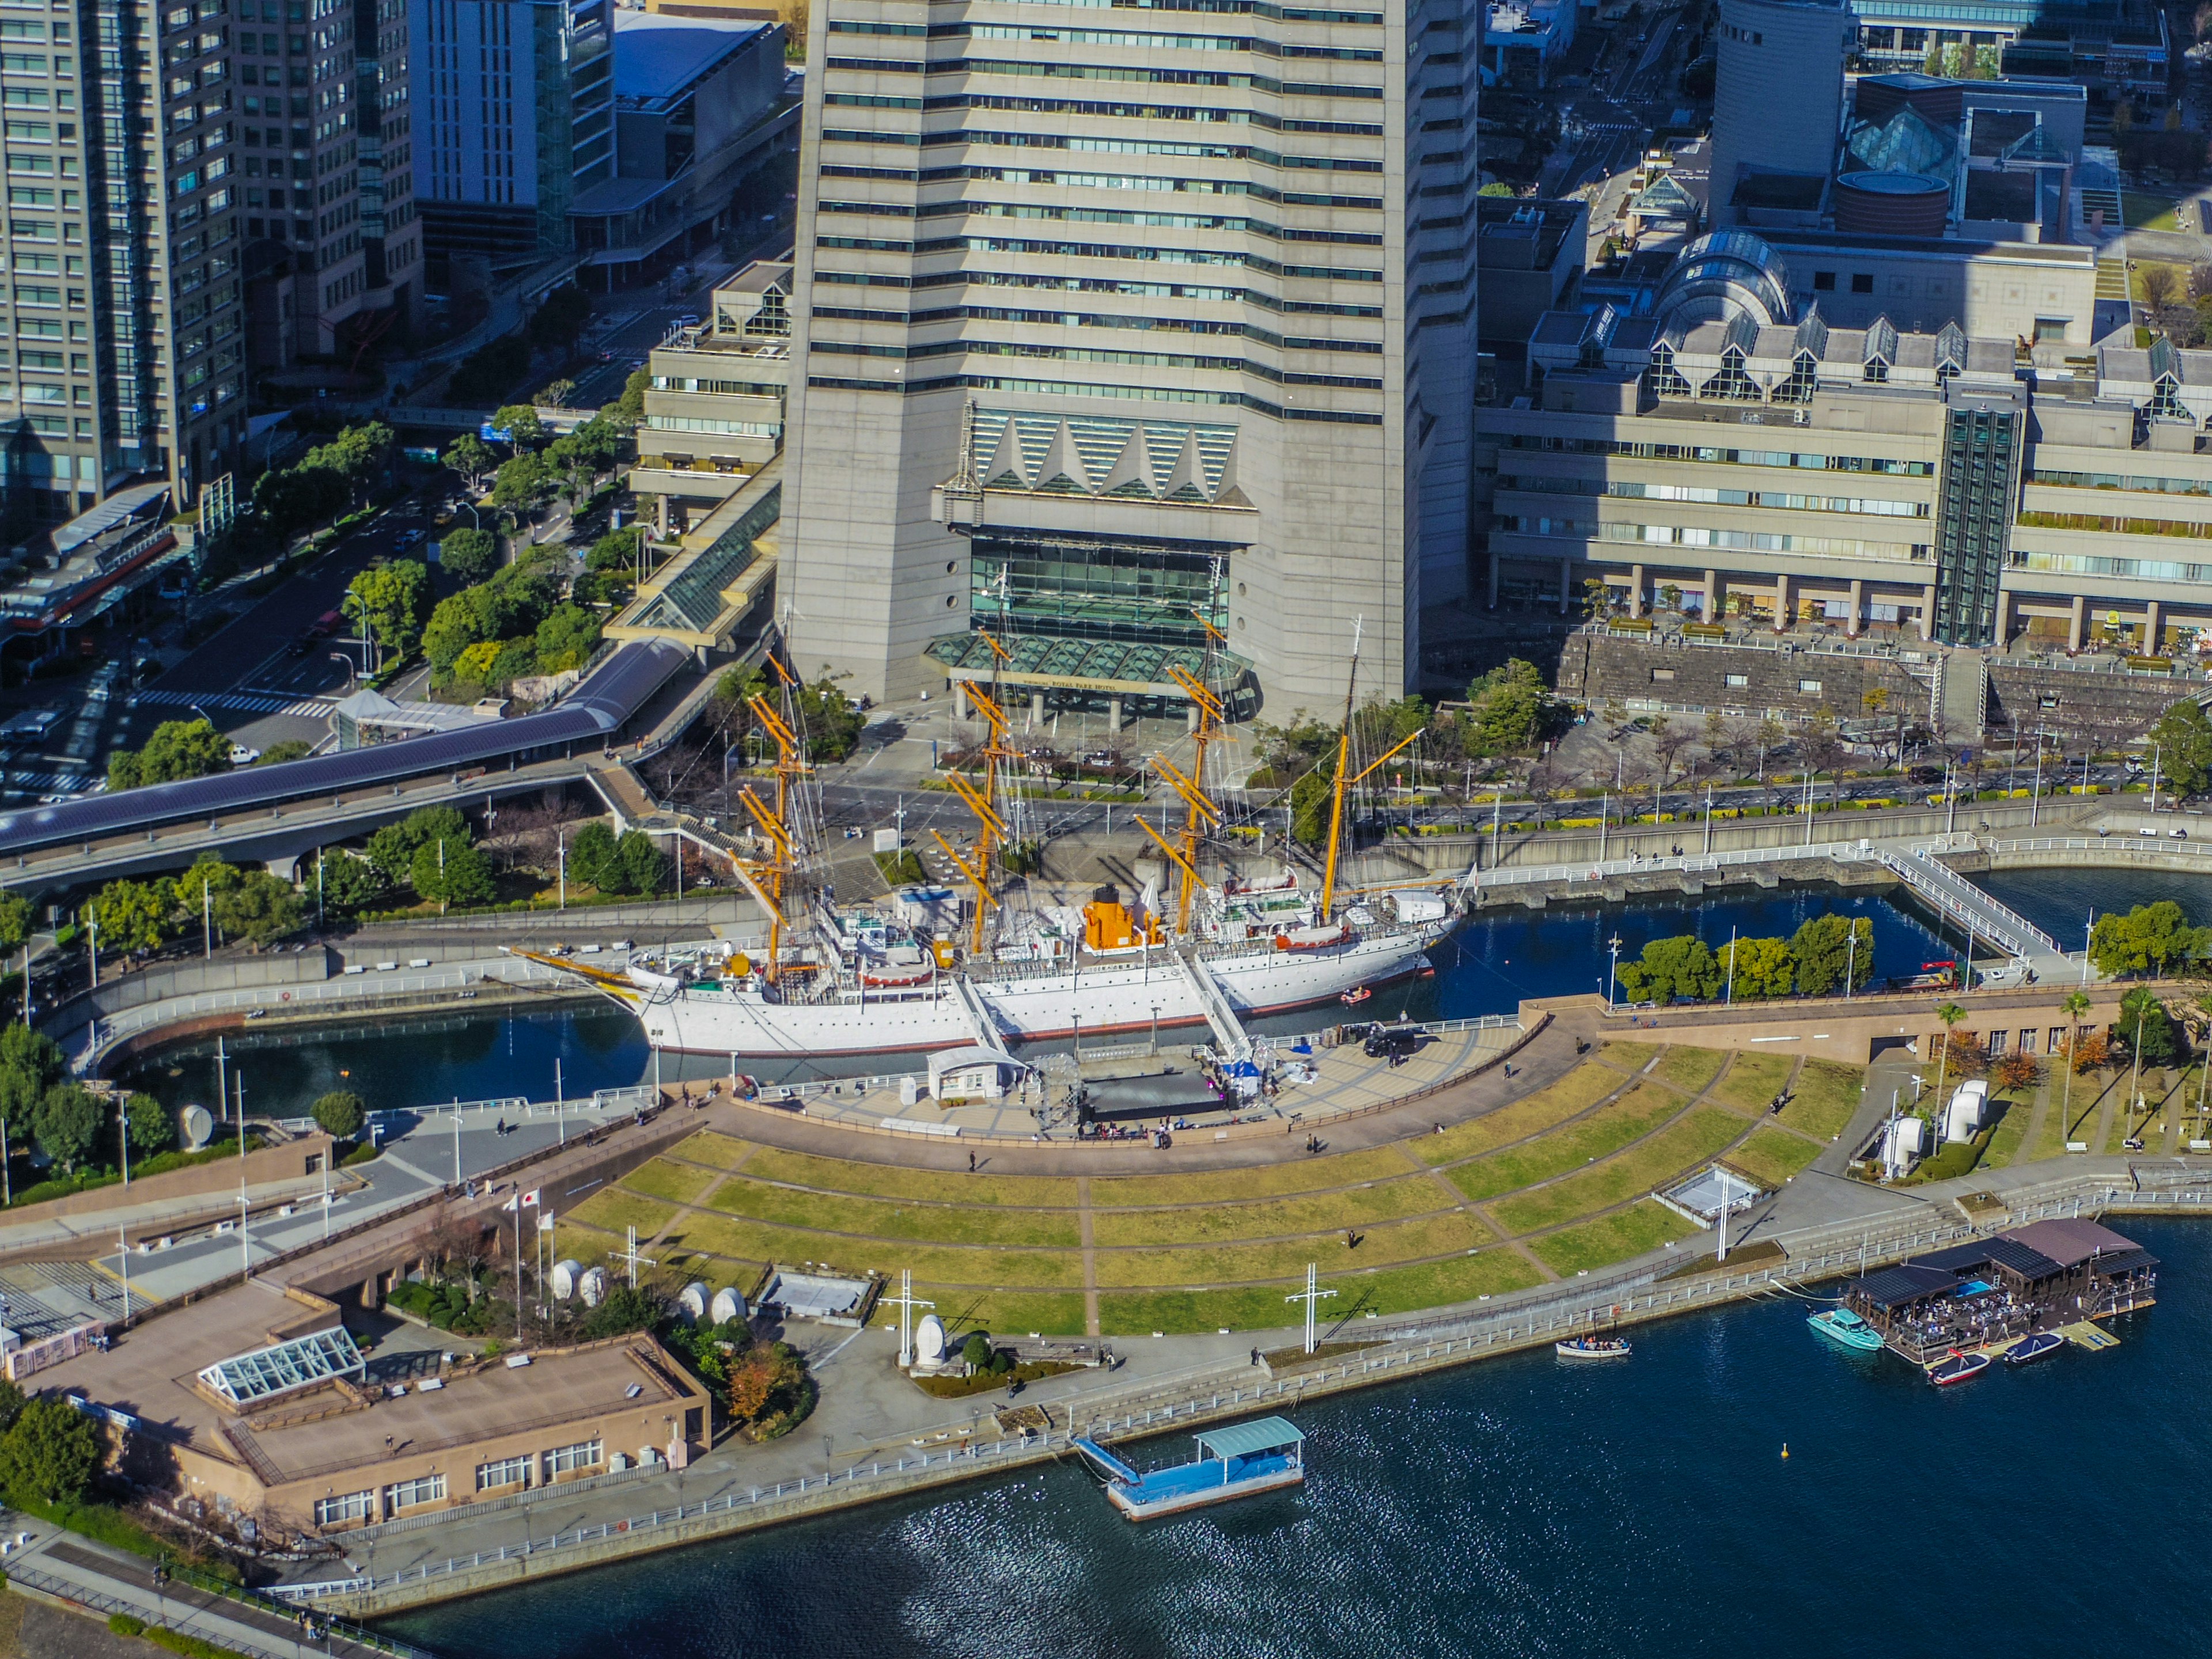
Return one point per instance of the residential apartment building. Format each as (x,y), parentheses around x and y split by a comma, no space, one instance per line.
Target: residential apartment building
(514,118)
(1734,447)
(1122,325)
(121,314)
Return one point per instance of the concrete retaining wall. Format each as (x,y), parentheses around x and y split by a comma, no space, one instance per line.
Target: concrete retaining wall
(1596,668)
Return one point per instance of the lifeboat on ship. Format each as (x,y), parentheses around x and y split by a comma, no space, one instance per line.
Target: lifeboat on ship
(901,968)
(1313,939)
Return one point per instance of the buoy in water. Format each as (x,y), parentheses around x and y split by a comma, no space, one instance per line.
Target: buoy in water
(1785,1451)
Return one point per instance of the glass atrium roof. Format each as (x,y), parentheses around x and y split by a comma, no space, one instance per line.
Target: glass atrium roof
(250,1378)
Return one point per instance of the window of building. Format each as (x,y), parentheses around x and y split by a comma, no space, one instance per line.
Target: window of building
(1810,688)
(337,1512)
(1663,673)
(2051,328)
(1738,681)
(1824,282)
(507,1472)
(1877,370)
(568,1460)
(1733,380)
(1861,282)
(407,1494)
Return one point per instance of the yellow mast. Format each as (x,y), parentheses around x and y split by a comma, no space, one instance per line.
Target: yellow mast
(1345,782)
(982,801)
(790,764)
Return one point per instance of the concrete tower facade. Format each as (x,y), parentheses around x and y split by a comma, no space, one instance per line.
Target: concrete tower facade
(1116,331)
(1778,97)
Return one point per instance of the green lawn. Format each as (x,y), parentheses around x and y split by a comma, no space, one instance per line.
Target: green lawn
(1266,1181)
(1493,1272)
(1691,1069)
(751,1241)
(2145,211)
(2075,1122)
(1632,1117)
(1751,1081)
(1610,1238)
(679,1183)
(1242,1308)
(1002,1313)
(2011,1132)
(1314,1213)
(870,1218)
(612,1208)
(1672,1151)
(707,1147)
(838,1174)
(1828,1093)
(1772,1156)
(1629,1056)
(1577,1091)
(1395,1242)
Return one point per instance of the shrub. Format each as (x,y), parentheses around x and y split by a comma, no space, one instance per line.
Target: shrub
(52,1453)
(977,1350)
(361,1154)
(340,1114)
(125,1624)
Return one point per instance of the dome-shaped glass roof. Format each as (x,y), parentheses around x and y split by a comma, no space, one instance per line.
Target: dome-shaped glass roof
(1725,274)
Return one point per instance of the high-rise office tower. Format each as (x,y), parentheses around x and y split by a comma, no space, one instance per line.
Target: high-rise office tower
(391,237)
(1121,322)
(513,115)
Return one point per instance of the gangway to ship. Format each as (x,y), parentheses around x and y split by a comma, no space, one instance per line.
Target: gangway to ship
(981,1023)
(1228,1030)
(1960,899)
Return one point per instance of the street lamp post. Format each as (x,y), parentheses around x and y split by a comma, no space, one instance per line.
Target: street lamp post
(1612,973)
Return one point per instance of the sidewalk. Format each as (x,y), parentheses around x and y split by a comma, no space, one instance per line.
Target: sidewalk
(101,1581)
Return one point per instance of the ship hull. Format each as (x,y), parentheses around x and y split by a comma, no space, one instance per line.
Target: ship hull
(1125,996)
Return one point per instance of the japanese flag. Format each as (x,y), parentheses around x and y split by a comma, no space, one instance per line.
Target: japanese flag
(530,1198)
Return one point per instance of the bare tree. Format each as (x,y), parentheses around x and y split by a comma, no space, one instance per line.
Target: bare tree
(2158,286)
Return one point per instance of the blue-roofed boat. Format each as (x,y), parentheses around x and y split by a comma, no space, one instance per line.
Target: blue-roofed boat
(1238,1462)
(1841,1325)
(2039,1345)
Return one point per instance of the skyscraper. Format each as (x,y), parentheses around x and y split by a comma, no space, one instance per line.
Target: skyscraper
(1123,324)
(121,309)
(391,236)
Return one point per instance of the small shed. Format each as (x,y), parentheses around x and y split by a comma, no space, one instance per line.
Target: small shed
(975,1073)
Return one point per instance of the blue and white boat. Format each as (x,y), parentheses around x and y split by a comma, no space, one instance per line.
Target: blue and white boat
(1842,1326)
(2039,1345)
(1232,1462)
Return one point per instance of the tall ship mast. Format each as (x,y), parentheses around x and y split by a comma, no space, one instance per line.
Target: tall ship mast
(933,968)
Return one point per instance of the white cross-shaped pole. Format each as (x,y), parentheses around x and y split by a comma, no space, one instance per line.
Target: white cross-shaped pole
(1312,1297)
(633,1258)
(906,1303)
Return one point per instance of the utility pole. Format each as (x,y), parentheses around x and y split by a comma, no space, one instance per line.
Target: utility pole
(906,1303)
(123,1256)
(207,914)
(1312,1296)
(221,1083)
(92,923)
(560,1116)
(123,1123)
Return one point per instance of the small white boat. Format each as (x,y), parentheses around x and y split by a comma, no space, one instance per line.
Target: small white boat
(1593,1347)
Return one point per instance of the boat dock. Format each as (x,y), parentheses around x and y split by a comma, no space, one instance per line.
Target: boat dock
(2084,1334)
(1237,1461)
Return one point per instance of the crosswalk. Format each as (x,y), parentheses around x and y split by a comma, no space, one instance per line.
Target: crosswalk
(46,783)
(246,702)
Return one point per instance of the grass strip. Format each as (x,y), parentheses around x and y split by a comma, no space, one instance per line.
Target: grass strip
(1395,1242)
(1606,1131)
(1263,1181)
(1574,1093)
(1827,1094)
(1752,1082)
(2011,1133)
(754,1241)
(878,1218)
(613,1208)
(1772,1156)
(1004,1313)
(1313,1213)
(1673,1151)
(1611,1238)
(1629,1056)
(837,1175)
(1690,1069)
(124,1624)
(707,1147)
(679,1183)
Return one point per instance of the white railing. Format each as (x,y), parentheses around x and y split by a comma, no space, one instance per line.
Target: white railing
(1967,904)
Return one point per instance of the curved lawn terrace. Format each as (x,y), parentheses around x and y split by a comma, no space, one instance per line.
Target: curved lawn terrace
(1555,1183)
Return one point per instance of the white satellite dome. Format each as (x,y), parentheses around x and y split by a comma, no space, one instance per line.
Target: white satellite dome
(692,1299)
(565,1275)
(197,1125)
(929,1339)
(729,1304)
(592,1287)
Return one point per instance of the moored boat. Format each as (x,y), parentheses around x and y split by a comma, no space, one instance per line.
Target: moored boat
(1593,1347)
(1355,996)
(1841,1325)
(2037,1345)
(1236,1461)
(1957,1367)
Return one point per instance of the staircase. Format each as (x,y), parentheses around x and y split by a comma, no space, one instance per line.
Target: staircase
(981,1025)
(1228,1030)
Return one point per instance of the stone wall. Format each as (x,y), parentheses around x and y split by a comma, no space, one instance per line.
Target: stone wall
(1794,681)
(2073,704)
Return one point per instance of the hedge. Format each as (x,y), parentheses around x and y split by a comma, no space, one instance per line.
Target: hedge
(124,1624)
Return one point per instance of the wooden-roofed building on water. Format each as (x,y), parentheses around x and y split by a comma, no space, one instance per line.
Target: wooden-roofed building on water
(1990,1292)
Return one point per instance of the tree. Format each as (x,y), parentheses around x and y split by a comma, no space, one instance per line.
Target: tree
(151,1128)
(31,1062)
(340,1114)
(522,484)
(2148,939)
(67,1124)
(1826,947)
(1950,1013)
(625,1308)
(567,638)
(2184,737)
(617,551)
(1679,970)
(451,872)
(177,750)
(554,394)
(14,920)
(2016,1071)
(626,411)
(592,858)
(52,1453)
(472,457)
(520,424)
(1511,711)
(2157,282)
(1311,806)
(828,724)
(12,1402)
(260,908)
(283,750)
(976,1351)
(394,599)
(133,916)
(2145,1029)
(469,555)
(350,884)
(391,849)
(645,868)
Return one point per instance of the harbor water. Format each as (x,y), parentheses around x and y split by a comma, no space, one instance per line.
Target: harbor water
(1524,1507)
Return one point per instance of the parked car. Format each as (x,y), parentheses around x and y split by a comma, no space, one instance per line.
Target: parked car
(241,755)
(2177,834)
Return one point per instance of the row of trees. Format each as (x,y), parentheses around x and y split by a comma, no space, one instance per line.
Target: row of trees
(333,478)
(43,1106)
(140,916)
(186,748)
(1815,962)
(512,623)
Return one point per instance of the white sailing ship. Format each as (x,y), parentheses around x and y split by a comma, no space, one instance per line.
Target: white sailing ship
(899,977)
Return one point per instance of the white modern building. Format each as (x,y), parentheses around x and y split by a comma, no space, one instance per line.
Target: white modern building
(1120,324)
